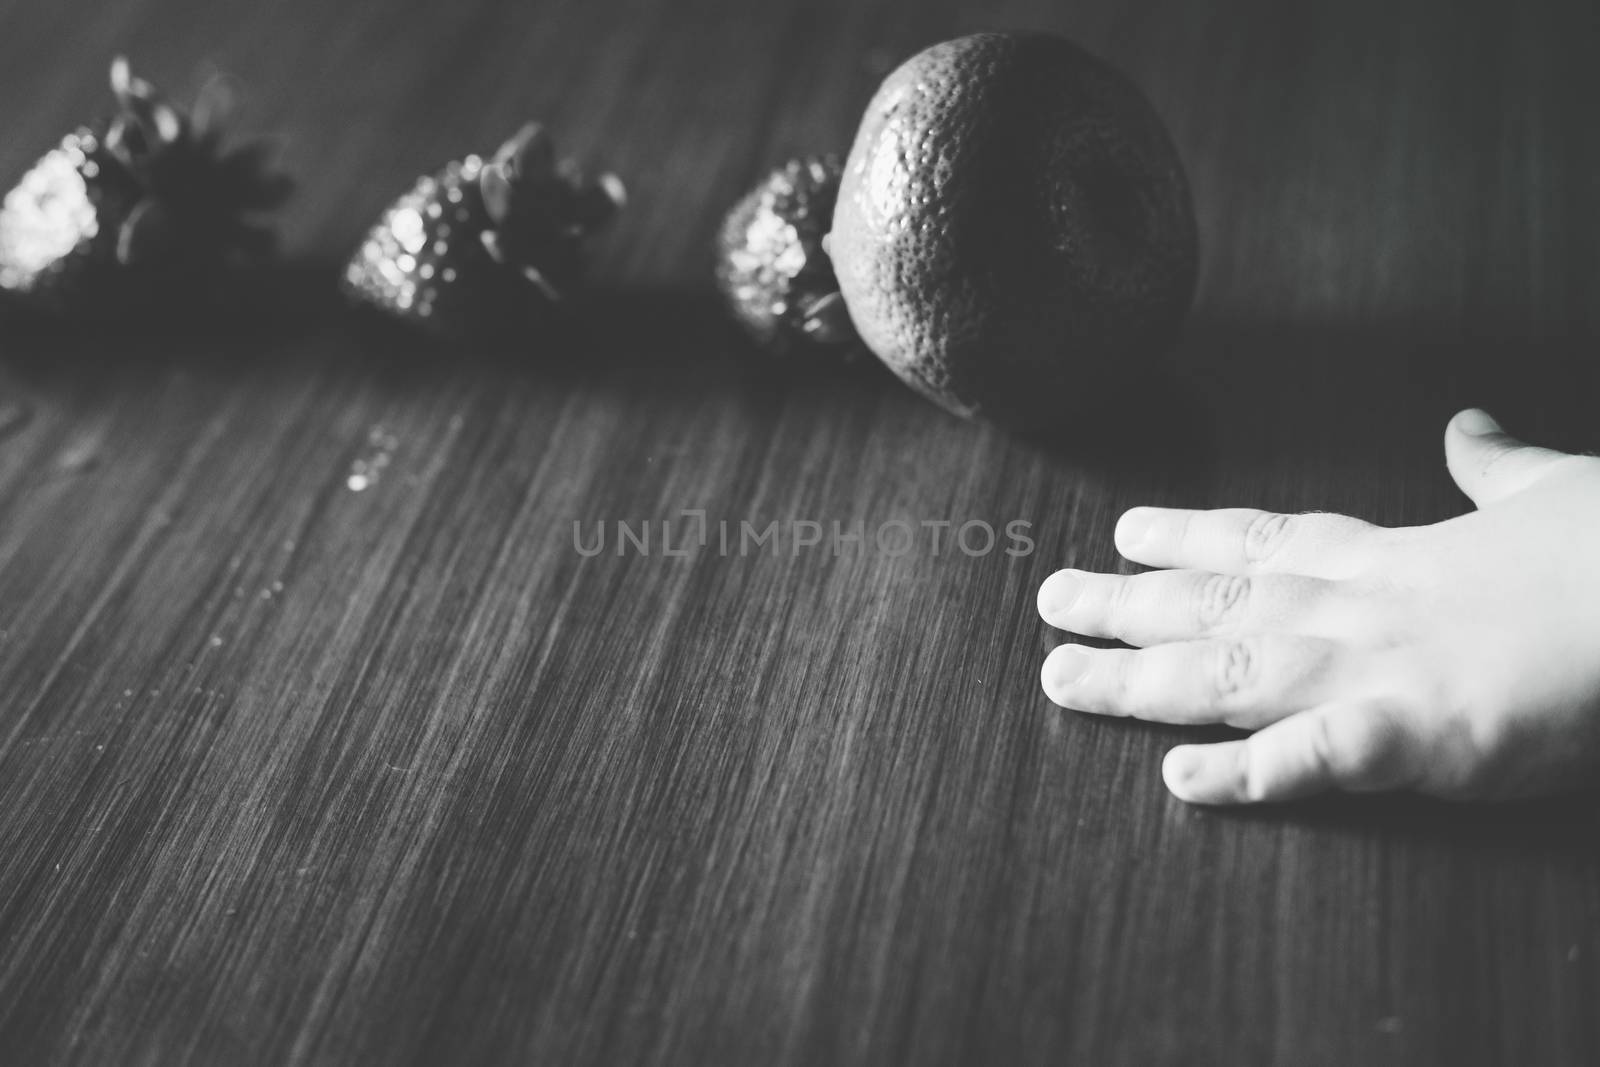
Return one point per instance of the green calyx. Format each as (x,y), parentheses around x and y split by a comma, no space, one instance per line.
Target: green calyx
(195,198)
(542,208)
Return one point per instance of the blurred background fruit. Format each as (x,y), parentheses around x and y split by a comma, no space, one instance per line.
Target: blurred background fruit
(772,266)
(481,245)
(137,213)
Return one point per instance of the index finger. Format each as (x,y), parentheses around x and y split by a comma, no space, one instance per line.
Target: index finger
(1241,540)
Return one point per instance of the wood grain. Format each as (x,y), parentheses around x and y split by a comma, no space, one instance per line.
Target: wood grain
(292,773)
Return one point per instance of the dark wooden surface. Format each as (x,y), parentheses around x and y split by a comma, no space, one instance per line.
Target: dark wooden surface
(292,773)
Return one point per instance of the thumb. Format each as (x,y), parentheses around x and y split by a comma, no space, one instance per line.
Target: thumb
(1488,463)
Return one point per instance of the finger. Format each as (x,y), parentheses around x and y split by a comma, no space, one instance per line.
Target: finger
(1161,606)
(1242,681)
(1355,747)
(1241,540)
(1488,463)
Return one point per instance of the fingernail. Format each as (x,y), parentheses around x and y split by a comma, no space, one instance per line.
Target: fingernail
(1134,527)
(1059,592)
(1476,422)
(1069,664)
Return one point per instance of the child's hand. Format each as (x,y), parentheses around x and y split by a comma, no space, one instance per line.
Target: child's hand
(1460,660)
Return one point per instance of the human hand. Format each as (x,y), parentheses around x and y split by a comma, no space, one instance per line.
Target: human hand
(1460,660)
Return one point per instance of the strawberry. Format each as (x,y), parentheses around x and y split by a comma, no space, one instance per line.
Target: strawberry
(139,211)
(464,250)
(772,259)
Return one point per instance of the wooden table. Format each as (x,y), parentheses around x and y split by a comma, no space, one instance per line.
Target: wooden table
(295,773)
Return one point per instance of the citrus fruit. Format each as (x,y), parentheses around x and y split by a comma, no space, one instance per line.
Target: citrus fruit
(1014,231)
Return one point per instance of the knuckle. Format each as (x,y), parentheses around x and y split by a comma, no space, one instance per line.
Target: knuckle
(1265,535)
(1375,556)
(1221,599)
(1183,534)
(1104,689)
(1116,689)
(1324,752)
(1120,606)
(1258,776)
(1474,756)
(1494,456)
(1353,750)
(1234,670)
(1366,750)
(1461,749)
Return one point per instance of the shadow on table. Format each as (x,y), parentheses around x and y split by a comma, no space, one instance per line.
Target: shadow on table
(1304,406)
(1232,388)
(1366,390)
(293,316)
(278,303)
(1565,821)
